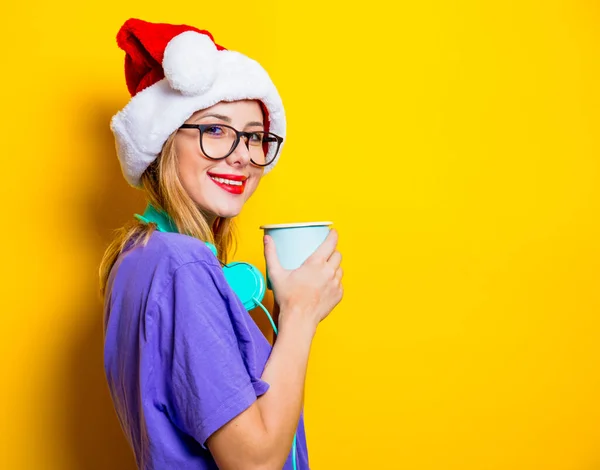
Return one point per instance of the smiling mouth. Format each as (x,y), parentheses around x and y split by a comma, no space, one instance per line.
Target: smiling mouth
(233,186)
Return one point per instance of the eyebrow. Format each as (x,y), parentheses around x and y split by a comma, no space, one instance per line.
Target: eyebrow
(227,119)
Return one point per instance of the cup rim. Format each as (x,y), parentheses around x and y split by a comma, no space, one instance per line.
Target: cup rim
(295,225)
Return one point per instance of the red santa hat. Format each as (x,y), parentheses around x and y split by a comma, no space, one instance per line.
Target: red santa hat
(172,71)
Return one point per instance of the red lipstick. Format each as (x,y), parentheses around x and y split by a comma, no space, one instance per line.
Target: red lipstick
(230,188)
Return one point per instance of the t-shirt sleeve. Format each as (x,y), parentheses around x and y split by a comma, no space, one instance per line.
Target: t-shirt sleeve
(204,377)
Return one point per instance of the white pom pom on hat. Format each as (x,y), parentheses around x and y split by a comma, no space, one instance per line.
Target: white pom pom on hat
(190,63)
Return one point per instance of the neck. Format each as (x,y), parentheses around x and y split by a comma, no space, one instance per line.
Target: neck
(210,218)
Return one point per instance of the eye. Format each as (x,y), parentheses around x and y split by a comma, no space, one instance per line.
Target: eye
(256,137)
(215,131)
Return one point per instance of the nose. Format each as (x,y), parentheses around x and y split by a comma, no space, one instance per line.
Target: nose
(241,154)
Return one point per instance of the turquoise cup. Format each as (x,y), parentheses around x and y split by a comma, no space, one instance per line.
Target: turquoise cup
(294,243)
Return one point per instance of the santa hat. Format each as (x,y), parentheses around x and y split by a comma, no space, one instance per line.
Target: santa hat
(172,71)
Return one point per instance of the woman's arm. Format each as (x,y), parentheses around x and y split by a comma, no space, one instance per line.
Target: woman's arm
(261,436)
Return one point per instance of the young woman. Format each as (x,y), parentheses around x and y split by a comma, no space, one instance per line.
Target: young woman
(194,382)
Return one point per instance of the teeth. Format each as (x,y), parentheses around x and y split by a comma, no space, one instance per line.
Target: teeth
(225,181)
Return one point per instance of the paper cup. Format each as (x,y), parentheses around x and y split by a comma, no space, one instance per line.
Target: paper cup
(294,243)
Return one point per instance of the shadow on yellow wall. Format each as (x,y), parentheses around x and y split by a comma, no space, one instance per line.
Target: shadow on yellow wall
(96,439)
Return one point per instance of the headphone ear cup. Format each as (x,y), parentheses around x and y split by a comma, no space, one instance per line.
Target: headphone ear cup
(247,282)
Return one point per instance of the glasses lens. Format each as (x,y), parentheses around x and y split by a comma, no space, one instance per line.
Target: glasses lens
(263,147)
(217,141)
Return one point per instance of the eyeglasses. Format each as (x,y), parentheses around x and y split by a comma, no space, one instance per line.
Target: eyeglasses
(218,141)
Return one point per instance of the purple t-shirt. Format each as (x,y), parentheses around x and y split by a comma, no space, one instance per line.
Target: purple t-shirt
(182,355)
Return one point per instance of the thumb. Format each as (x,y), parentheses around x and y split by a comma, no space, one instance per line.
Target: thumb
(271,255)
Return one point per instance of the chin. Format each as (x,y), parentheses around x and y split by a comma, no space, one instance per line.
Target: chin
(227,213)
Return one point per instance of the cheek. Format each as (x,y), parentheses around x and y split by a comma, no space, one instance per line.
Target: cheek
(254,182)
(191,166)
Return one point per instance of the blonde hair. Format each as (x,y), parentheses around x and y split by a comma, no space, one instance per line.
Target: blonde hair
(164,190)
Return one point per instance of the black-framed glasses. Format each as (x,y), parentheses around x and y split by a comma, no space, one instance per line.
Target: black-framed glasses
(218,141)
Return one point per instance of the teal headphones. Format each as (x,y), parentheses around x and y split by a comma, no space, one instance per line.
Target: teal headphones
(244,279)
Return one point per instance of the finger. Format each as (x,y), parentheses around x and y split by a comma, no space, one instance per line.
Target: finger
(271,255)
(335,260)
(338,277)
(325,249)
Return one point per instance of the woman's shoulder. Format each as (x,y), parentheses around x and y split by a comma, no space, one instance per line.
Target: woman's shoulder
(171,250)
(152,265)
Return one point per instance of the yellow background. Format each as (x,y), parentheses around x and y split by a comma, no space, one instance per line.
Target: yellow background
(455,145)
